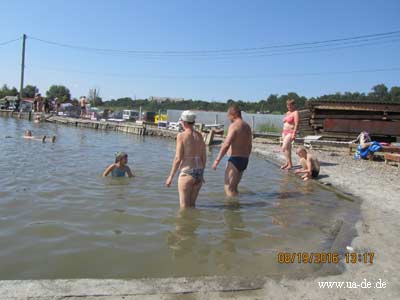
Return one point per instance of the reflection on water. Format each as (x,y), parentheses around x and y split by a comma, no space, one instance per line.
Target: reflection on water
(60,219)
(182,240)
(235,227)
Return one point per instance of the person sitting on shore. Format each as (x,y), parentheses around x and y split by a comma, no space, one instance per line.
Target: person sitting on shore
(310,164)
(366,147)
(120,167)
(28,135)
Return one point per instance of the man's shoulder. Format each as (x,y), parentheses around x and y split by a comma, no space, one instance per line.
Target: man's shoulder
(247,124)
(238,125)
(311,156)
(198,134)
(244,124)
(233,127)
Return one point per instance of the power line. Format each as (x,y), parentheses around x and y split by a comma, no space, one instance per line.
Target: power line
(239,51)
(9,42)
(299,50)
(254,76)
(313,50)
(302,50)
(358,43)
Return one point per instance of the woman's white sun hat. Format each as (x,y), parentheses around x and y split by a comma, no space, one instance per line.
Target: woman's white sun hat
(188,116)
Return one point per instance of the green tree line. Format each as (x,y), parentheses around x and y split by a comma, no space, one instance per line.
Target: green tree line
(273,104)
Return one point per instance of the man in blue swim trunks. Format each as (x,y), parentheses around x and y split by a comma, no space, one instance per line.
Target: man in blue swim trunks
(238,145)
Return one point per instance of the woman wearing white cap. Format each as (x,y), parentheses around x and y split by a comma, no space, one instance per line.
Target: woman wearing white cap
(190,158)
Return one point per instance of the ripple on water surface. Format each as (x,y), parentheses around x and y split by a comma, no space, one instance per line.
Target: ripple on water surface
(60,219)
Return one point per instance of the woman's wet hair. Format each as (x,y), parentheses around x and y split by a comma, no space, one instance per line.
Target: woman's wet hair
(119,156)
(28,132)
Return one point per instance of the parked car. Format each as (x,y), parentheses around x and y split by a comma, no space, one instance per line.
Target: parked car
(162,125)
(8,102)
(130,115)
(176,126)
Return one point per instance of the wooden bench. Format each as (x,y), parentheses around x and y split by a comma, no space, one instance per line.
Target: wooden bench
(392,157)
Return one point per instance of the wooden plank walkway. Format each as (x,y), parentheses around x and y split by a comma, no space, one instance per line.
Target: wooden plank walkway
(392,157)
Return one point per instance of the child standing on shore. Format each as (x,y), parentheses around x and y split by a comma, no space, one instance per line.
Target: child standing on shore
(120,167)
(309,163)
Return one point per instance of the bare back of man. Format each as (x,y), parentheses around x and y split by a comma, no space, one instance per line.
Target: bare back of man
(237,145)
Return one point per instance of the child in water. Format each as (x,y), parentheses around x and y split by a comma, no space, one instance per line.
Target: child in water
(38,119)
(28,135)
(309,163)
(120,167)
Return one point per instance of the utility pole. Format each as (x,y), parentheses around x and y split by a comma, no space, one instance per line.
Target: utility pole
(22,66)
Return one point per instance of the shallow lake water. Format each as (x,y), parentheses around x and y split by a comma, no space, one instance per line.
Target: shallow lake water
(60,219)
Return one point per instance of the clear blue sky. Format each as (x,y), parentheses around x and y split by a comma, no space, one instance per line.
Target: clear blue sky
(191,26)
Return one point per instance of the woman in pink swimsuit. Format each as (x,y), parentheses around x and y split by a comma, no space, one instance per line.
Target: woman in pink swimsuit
(290,127)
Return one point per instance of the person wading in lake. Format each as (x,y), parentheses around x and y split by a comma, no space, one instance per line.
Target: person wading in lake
(190,158)
(237,144)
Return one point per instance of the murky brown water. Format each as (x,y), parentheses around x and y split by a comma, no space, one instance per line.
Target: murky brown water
(60,219)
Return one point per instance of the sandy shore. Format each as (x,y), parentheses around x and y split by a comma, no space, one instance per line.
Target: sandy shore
(378,230)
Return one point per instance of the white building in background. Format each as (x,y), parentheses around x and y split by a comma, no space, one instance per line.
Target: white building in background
(163,99)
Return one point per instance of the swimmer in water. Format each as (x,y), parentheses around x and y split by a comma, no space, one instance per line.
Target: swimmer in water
(309,163)
(38,119)
(120,167)
(28,135)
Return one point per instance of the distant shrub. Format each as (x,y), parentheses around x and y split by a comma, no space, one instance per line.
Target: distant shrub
(267,127)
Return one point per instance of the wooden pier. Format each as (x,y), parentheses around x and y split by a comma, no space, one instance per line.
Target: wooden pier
(126,127)
(15,114)
(148,129)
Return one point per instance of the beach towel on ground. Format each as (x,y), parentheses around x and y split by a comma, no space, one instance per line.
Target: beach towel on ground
(363,153)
